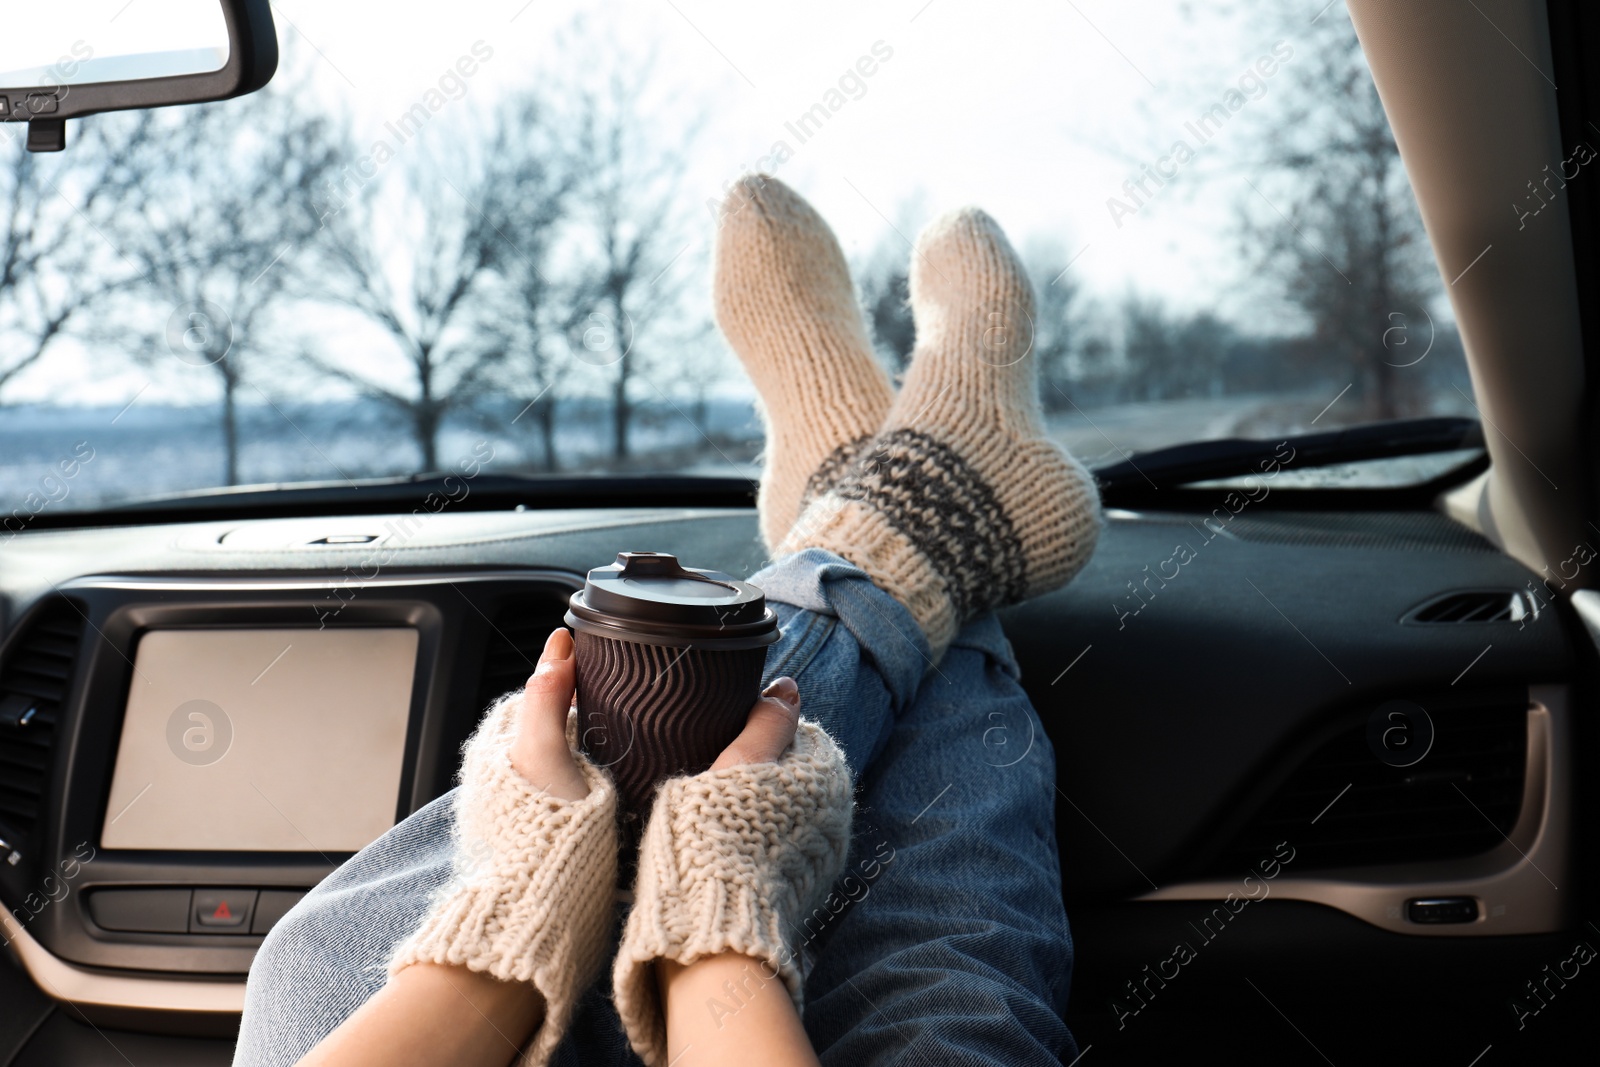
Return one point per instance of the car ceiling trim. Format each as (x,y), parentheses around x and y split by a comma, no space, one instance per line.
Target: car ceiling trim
(1474,115)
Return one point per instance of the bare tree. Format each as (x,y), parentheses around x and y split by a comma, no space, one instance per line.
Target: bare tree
(1207,346)
(409,254)
(886,300)
(523,318)
(885,297)
(1058,321)
(1098,371)
(527,311)
(220,236)
(629,197)
(1169,354)
(1148,349)
(525,315)
(58,216)
(883,278)
(1333,217)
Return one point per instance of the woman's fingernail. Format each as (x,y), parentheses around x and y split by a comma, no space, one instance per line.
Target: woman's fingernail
(784,689)
(557,647)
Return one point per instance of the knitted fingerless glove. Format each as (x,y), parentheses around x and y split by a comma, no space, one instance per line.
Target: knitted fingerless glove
(731,861)
(535,880)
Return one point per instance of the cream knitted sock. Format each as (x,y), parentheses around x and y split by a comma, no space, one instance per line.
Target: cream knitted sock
(535,879)
(962,503)
(785,302)
(731,861)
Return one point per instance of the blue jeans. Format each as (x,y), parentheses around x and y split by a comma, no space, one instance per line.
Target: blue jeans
(945,942)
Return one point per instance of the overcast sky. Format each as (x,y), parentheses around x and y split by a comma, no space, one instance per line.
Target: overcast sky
(1038,112)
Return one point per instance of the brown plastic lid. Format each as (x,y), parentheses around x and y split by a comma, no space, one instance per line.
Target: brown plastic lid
(649,597)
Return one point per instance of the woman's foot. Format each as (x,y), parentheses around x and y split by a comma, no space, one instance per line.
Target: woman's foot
(962,503)
(786,304)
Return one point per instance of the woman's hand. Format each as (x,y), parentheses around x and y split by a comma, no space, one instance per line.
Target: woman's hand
(730,1008)
(498,963)
(542,755)
(540,752)
(769,730)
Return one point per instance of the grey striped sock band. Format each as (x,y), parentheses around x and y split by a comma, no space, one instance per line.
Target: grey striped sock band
(935,499)
(834,466)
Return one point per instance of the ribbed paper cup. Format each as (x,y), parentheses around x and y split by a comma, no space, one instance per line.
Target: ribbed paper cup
(669,662)
(651,712)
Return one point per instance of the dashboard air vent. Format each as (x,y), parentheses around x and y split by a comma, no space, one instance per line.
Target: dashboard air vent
(34,677)
(1343,807)
(519,630)
(1477,605)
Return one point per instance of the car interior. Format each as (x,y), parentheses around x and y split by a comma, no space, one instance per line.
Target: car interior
(1256,859)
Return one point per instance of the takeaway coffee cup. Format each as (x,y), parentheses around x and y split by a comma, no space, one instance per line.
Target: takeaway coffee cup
(669,662)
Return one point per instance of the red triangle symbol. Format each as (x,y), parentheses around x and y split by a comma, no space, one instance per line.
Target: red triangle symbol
(222,911)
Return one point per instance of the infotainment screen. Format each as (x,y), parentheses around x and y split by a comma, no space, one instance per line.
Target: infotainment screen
(283,740)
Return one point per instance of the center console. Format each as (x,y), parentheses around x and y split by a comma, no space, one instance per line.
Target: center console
(206,750)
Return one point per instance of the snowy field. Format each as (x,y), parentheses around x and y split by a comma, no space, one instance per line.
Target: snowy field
(150,450)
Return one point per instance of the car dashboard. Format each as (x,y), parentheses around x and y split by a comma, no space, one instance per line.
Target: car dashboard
(1230,698)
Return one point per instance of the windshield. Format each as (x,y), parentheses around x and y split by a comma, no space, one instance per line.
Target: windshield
(484,242)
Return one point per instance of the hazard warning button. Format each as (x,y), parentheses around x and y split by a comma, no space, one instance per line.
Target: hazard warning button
(221,911)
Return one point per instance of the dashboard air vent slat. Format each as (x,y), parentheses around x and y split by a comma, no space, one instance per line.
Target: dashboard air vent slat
(1473,606)
(34,677)
(519,630)
(1344,807)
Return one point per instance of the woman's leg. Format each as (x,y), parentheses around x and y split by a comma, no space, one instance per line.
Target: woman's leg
(959,505)
(946,940)
(328,955)
(855,650)
(959,951)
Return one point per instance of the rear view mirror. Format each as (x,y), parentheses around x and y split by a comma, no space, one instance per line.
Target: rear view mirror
(66,60)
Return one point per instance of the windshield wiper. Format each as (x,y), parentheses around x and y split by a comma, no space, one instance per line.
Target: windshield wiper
(1230,457)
